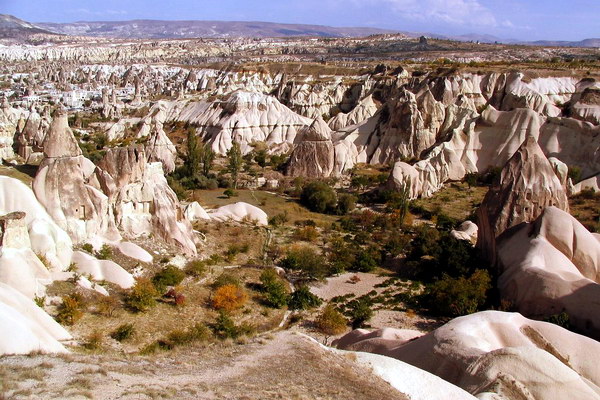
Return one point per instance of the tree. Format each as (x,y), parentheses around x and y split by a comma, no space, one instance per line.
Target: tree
(319,197)
(194,153)
(234,155)
(331,321)
(261,158)
(471,179)
(303,299)
(229,298)
(207,158)
(306,260)
(454,297)
(276,294)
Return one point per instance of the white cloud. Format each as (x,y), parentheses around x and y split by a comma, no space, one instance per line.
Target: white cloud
(454,12)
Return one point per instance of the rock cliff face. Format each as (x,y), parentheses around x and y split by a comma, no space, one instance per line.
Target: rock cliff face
(496,355)
(313,156)
(124,194)
(62,187)
(527,186)
(552,265)
(243,117)
(142,200)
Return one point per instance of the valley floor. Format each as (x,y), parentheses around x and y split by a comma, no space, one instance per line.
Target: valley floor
(282,365)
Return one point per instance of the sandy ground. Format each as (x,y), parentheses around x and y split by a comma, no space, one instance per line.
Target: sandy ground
(283,365)
(341,285)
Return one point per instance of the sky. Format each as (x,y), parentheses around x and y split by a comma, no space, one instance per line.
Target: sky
(507,19)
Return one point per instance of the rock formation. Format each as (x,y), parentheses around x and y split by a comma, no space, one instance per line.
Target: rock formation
(313,156)
(142,200)
(244,117)
(552,265)
(496,355)
(527,185)
(240,212)
(62,187)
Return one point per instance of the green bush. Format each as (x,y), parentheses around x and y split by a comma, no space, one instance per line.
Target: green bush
(345,204)
(303,299)
(274,289)
(562,320)
(70,309)
(226,279)
(319,197)
(105,253)
(169,276)
(307,261)
(229,193)
(360,311)
(453,297)
(225,328)
(195,268)
(123,332)
(142,296)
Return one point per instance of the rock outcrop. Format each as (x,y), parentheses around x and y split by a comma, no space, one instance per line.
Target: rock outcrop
(496,355)
(244,117)
(313,156)
(552,265)
(241,212)
(527,186)
(142,200)
(62,186)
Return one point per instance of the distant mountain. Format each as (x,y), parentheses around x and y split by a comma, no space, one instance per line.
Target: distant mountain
(15,28)
(153,29)
(560,43)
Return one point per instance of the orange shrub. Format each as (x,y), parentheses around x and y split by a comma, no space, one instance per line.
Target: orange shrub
(229,298)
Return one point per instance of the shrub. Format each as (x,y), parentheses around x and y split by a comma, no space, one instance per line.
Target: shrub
(226,279)
(276,294)
(195,268)
(574,173)
(229,298)
(94,341)
(225,328)
(306,260)
(346,203)
(105,252)
(303,299)
(87,247)
(306,233)
(107,305)
(142,296)
(278,219)
(169,276)
(360,312)
(366,260)
(70,310)
(175,295)
(229,193)
(319,197)
(40,301)
(195,333)
(561,320)
(123,332)
(331,321)
(453,297)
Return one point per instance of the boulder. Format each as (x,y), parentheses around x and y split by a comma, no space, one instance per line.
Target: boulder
(240,212)
(194,212)
(103,270)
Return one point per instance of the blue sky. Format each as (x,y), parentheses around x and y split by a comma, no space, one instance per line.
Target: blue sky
(520,19)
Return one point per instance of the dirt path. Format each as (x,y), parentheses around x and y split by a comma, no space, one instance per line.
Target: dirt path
(279,365)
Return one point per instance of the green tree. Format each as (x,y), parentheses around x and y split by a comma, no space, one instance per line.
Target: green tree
(207,158)
(261,158)
(194,153)
(235,161)
(319,197)
(453,297)
(307,261)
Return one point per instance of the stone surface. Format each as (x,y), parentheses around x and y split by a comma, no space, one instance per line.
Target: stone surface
(492,354)
(313,156)
(527,186)
(552,265)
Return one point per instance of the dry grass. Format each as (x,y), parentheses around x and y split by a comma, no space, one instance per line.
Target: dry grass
(455,200)
(270,203)
(586,208)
